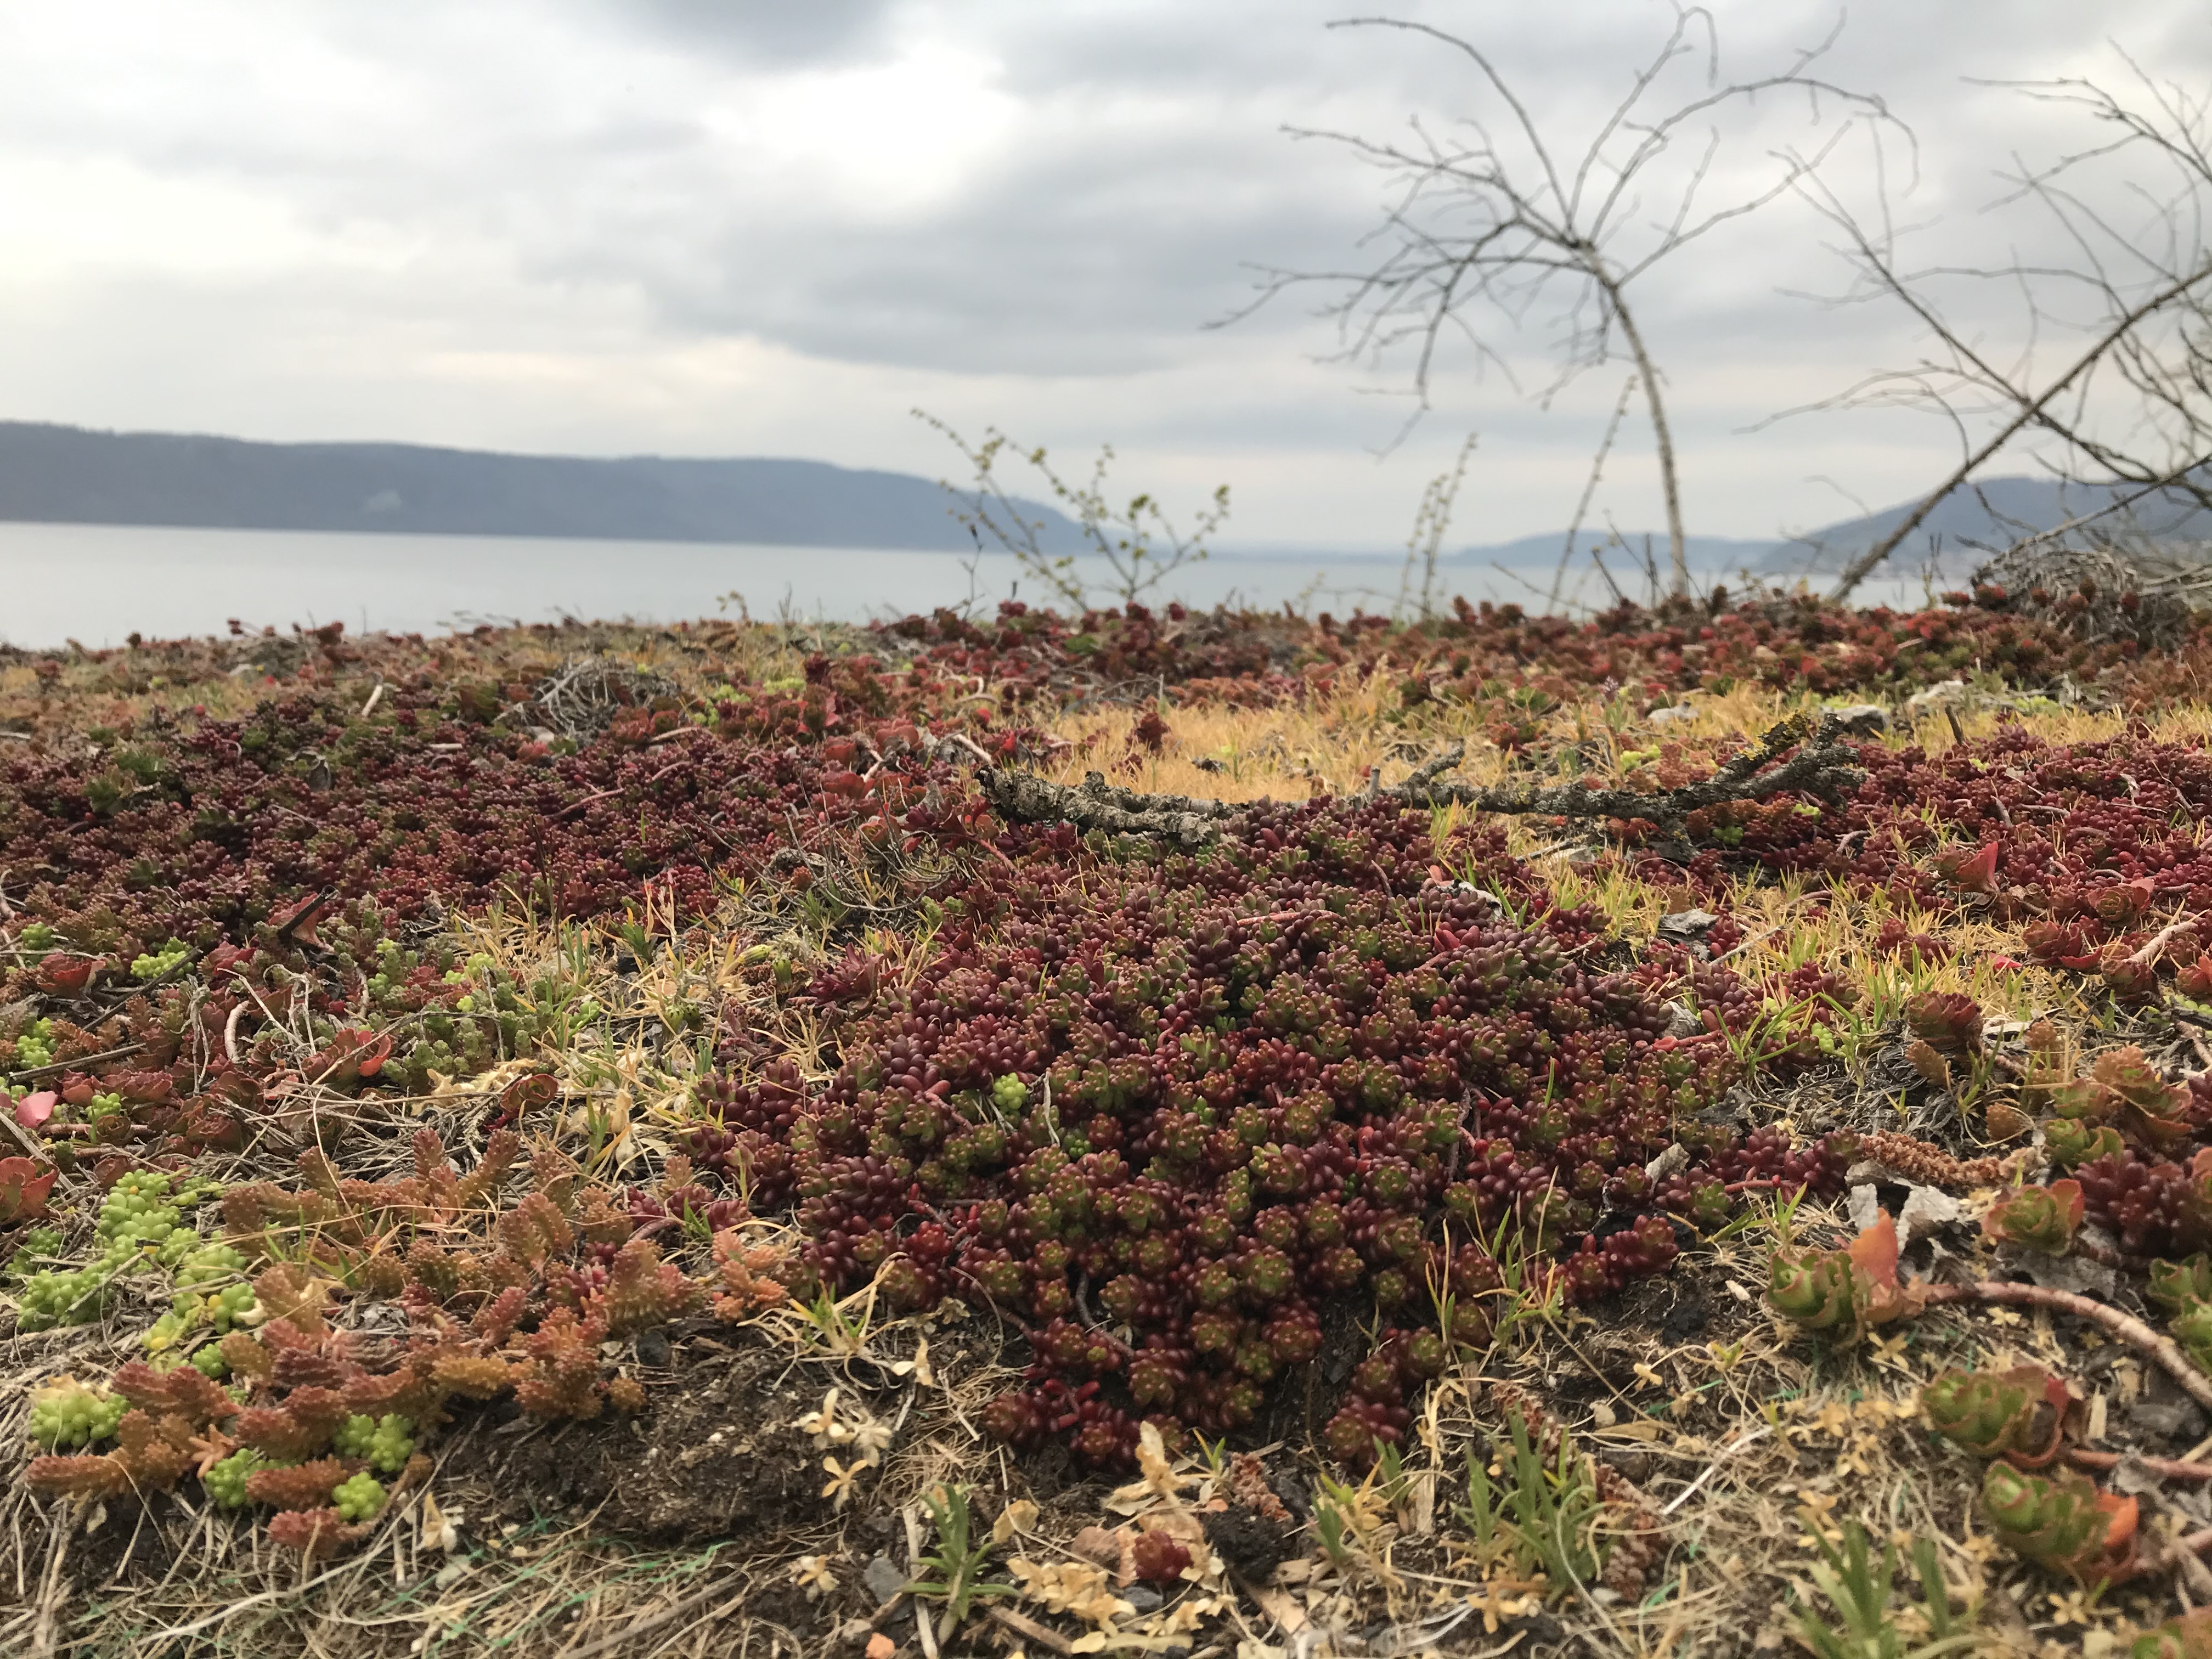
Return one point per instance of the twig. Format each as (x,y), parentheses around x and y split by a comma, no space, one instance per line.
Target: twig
(1022,1625)
(1856,570)
(2166,1468)
(23,1135)
(2124,1327)
(80,1059)
(1101,805)
(673,1610)
(1713,1468)
(2149,955)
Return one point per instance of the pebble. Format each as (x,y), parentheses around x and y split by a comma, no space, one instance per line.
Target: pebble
(1943,691)
(883,1579)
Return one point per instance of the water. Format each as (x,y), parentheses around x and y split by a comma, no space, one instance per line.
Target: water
(97,583)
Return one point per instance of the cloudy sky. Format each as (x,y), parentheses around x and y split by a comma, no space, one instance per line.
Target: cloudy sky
(776,227)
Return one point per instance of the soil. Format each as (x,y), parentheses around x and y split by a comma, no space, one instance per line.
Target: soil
(1248,1541)
(713,1455)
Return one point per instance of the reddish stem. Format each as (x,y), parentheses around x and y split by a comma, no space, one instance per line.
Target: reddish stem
(2089,1250)
(2166,1468)
(2124,1327)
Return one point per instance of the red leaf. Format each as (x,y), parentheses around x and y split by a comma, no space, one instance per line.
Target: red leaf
(65,975)
(1875,1251)
(23,1189)
(1975,874)
(31,1110)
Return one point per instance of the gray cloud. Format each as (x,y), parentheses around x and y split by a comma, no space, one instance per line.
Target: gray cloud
(773,35)
(626,225)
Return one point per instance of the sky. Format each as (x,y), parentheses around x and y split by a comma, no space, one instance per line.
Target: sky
(755,227)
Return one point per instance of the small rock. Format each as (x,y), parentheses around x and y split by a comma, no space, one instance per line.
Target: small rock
(1865,718)
(1630,1461)
(653,1350)
(1943,691)
(883,1579)
(1925,1209)
(2070,1273)
(1680,1022)
(1669,716)
(2174,1419)
(1864,1205)
(1143,1597)
(1688,924)
(1098,1546)
(1870,1169)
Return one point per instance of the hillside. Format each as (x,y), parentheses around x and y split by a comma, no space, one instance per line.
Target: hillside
(67,475)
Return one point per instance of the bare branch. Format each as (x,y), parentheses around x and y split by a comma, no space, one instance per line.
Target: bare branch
(1139,543)
(1518,221)
(1856,571)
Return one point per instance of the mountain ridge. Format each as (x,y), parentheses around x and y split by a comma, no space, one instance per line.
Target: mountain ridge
(59,474)
(55,474)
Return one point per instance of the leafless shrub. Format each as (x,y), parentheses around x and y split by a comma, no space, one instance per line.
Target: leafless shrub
(1507,216)
(579,698)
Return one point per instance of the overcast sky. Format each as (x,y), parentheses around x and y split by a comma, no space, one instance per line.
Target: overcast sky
(774,227)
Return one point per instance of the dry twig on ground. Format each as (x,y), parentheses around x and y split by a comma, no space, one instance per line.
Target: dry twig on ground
(1823,766)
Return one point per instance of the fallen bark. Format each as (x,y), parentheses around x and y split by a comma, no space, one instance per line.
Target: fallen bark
(1822,767)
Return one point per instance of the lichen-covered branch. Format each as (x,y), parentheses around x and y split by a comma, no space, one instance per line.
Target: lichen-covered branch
(1098,804)
(1822,766)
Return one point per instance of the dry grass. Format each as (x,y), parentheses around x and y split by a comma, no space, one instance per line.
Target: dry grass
(1752,1438)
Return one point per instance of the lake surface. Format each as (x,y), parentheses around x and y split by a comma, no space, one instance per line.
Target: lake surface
(98,584)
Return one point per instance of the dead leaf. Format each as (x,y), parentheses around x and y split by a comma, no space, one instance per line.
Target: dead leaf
(1421,1512)
(1020,1516)
(1179,1524)
(1278,1605)
(1075,1587)
(1160,1483)
(1864,1204)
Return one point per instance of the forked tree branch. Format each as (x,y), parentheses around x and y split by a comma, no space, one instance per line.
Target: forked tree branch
(1502,220)
(2031,413)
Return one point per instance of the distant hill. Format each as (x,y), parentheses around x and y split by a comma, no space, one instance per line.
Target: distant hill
(1975,519)
(1960,533)
(68,475)
(1705,552)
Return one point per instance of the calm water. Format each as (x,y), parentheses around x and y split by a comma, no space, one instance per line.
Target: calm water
(97,583)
